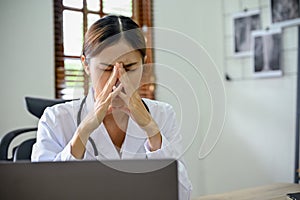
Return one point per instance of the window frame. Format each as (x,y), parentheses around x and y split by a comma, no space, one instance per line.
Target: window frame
(141,13)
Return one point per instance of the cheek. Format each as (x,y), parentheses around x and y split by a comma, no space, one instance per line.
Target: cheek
(135,77)
(99,79)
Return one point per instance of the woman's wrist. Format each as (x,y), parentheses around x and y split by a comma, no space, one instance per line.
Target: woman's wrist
(154,135)
(78,145)
(79,141)
(155,142)
(83,132)
(151,128)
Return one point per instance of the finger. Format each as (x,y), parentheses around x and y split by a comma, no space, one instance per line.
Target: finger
(124,97)
(109,84)
(106,102)
(112,80)
(123,73)
(103,108)
(117,90)
(124,79)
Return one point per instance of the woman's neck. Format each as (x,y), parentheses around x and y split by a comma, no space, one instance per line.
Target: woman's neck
(116,126)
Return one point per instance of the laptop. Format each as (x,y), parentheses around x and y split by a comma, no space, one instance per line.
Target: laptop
(114,179)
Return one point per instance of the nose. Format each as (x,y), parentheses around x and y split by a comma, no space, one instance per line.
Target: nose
(118,65)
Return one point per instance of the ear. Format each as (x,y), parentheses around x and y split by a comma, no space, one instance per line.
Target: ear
(85,65)
(145,59)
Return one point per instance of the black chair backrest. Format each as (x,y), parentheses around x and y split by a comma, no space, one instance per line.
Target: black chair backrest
(36,106)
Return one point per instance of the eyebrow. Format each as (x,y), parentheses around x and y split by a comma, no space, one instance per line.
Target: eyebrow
(125,66)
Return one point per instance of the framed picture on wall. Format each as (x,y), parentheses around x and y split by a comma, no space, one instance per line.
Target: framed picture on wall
(243,24)
(285,12)
(266,46)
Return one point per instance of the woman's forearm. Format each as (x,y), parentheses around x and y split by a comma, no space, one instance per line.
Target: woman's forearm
(79,142)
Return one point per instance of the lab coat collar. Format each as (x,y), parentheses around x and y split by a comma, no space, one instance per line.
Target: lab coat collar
(134,142)
(105,147)
(132,148)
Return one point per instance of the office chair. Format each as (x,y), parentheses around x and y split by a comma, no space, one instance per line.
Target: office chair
(36,107)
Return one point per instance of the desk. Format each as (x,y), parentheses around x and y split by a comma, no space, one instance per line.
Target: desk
(276,191)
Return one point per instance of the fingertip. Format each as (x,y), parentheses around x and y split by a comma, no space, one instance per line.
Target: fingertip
(119,65)
(121,70)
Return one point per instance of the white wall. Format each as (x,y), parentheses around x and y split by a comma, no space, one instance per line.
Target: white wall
(256,146)
(27,59)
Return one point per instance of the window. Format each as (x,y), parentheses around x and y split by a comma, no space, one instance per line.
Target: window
(72,18)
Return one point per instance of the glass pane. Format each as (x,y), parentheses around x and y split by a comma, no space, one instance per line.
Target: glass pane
(93,5)
(73,3)
(73,32)
(74,79)
(92,18)
(73,73)
(73,64)
(119,7)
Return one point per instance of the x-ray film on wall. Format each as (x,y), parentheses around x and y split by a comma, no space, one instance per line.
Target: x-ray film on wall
(285,12)
(243,24)
(266,58)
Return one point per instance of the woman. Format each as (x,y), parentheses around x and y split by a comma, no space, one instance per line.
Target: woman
(112,122)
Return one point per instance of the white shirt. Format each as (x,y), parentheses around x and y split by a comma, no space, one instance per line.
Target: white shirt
(59,123)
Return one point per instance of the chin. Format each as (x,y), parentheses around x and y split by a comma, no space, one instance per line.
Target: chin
(117,102)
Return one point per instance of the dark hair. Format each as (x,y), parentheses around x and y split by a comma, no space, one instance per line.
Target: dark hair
(109,30)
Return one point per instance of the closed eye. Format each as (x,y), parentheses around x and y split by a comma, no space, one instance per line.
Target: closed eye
(127,67)
(130,69)
(106,67)
(109,68)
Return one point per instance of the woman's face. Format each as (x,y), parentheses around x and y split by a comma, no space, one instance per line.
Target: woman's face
(100,66)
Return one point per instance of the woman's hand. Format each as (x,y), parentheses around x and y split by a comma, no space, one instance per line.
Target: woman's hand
(135,108)
(96,116)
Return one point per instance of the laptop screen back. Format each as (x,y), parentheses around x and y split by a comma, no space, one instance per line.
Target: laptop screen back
(119,179)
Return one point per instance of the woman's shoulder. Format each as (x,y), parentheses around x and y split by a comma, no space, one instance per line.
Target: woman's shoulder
(158,106)
(151,102)
(62,110)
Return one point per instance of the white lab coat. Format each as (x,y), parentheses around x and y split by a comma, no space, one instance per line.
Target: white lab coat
(58,125)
